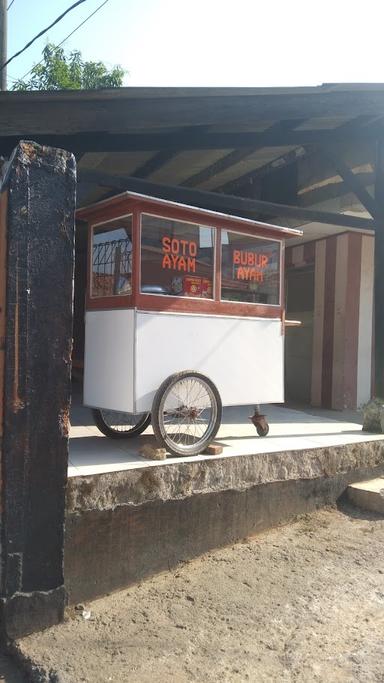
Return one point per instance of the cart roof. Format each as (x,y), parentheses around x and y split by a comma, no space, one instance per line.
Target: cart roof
(86,212)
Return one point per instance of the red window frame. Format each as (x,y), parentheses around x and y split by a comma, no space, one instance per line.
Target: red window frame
(123,205)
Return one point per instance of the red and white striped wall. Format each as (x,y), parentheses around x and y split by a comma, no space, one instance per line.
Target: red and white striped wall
(343,319)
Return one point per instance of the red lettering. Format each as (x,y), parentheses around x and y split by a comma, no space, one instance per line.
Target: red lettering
(182,264)
(166,244)
(174,258)
(192,249)
(183,246)
(166,261)
(236,257)
(251,258)
(256,275)
(191,265)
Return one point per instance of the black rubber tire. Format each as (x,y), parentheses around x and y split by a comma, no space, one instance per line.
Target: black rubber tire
(105,429)
(262,431)
(157,429)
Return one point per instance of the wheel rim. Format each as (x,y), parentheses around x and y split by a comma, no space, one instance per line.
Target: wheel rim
(187,414)
(122,422)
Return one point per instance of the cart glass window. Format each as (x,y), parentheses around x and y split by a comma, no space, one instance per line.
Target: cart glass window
(250,269)
(112,258)
(177,258)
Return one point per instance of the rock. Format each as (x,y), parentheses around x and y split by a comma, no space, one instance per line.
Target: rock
(86,614)
(373,415)
(213,449)
(151,453)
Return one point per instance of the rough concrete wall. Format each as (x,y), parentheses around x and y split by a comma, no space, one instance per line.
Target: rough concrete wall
(124,526)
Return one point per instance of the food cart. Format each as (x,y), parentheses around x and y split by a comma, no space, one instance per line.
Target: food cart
(184,314)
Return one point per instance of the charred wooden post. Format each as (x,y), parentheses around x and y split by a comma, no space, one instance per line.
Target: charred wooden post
(37,243)
(379,285)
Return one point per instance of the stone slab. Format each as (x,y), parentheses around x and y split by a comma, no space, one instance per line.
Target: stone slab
(368,495)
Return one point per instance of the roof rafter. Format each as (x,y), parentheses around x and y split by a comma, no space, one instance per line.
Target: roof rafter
(363,125)
(352,181)
(159,160)
(237,155)
(221,202)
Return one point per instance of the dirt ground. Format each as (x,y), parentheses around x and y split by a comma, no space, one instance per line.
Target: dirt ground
(304,602)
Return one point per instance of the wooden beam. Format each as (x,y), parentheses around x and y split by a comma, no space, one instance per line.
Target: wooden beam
(160,159)
(192,140)
(351,180)
(154,163)
(284,160)
(237,155)
(353,128)
(324,193)
(221,202)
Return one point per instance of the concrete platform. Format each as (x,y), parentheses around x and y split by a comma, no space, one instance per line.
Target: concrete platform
(290,430)
(128,518)
(368,495)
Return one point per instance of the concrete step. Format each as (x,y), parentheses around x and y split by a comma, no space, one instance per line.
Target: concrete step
(368,494)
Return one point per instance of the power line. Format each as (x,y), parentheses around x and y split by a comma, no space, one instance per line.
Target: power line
(79,2)
(10,4)
(68,36)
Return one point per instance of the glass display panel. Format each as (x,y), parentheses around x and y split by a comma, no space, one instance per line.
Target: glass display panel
(177,258)
(112,258)
(250,269)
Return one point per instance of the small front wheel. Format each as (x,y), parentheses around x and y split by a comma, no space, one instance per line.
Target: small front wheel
(263,429)
(186,413)
(118,425)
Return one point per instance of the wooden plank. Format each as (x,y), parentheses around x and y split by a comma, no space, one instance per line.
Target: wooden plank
(220,202)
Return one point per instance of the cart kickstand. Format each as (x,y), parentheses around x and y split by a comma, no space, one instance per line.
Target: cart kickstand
(260,422)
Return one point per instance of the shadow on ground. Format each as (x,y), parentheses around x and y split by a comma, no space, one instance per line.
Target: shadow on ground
(9,672)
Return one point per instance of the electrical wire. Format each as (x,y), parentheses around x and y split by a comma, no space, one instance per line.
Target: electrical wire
(10,4)
(79,2)
(68,36)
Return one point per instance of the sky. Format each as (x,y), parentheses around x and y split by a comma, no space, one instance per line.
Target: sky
(258,43)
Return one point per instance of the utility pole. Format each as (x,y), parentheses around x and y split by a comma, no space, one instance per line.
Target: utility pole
(3,43)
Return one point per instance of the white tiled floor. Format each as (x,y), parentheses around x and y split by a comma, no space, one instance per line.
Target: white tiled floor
(92,453)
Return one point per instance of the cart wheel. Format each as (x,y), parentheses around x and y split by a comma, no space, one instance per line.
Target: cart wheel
(186,413)
(119,425)
(262,430)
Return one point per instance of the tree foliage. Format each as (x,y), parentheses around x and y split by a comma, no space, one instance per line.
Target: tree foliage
(60,71)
